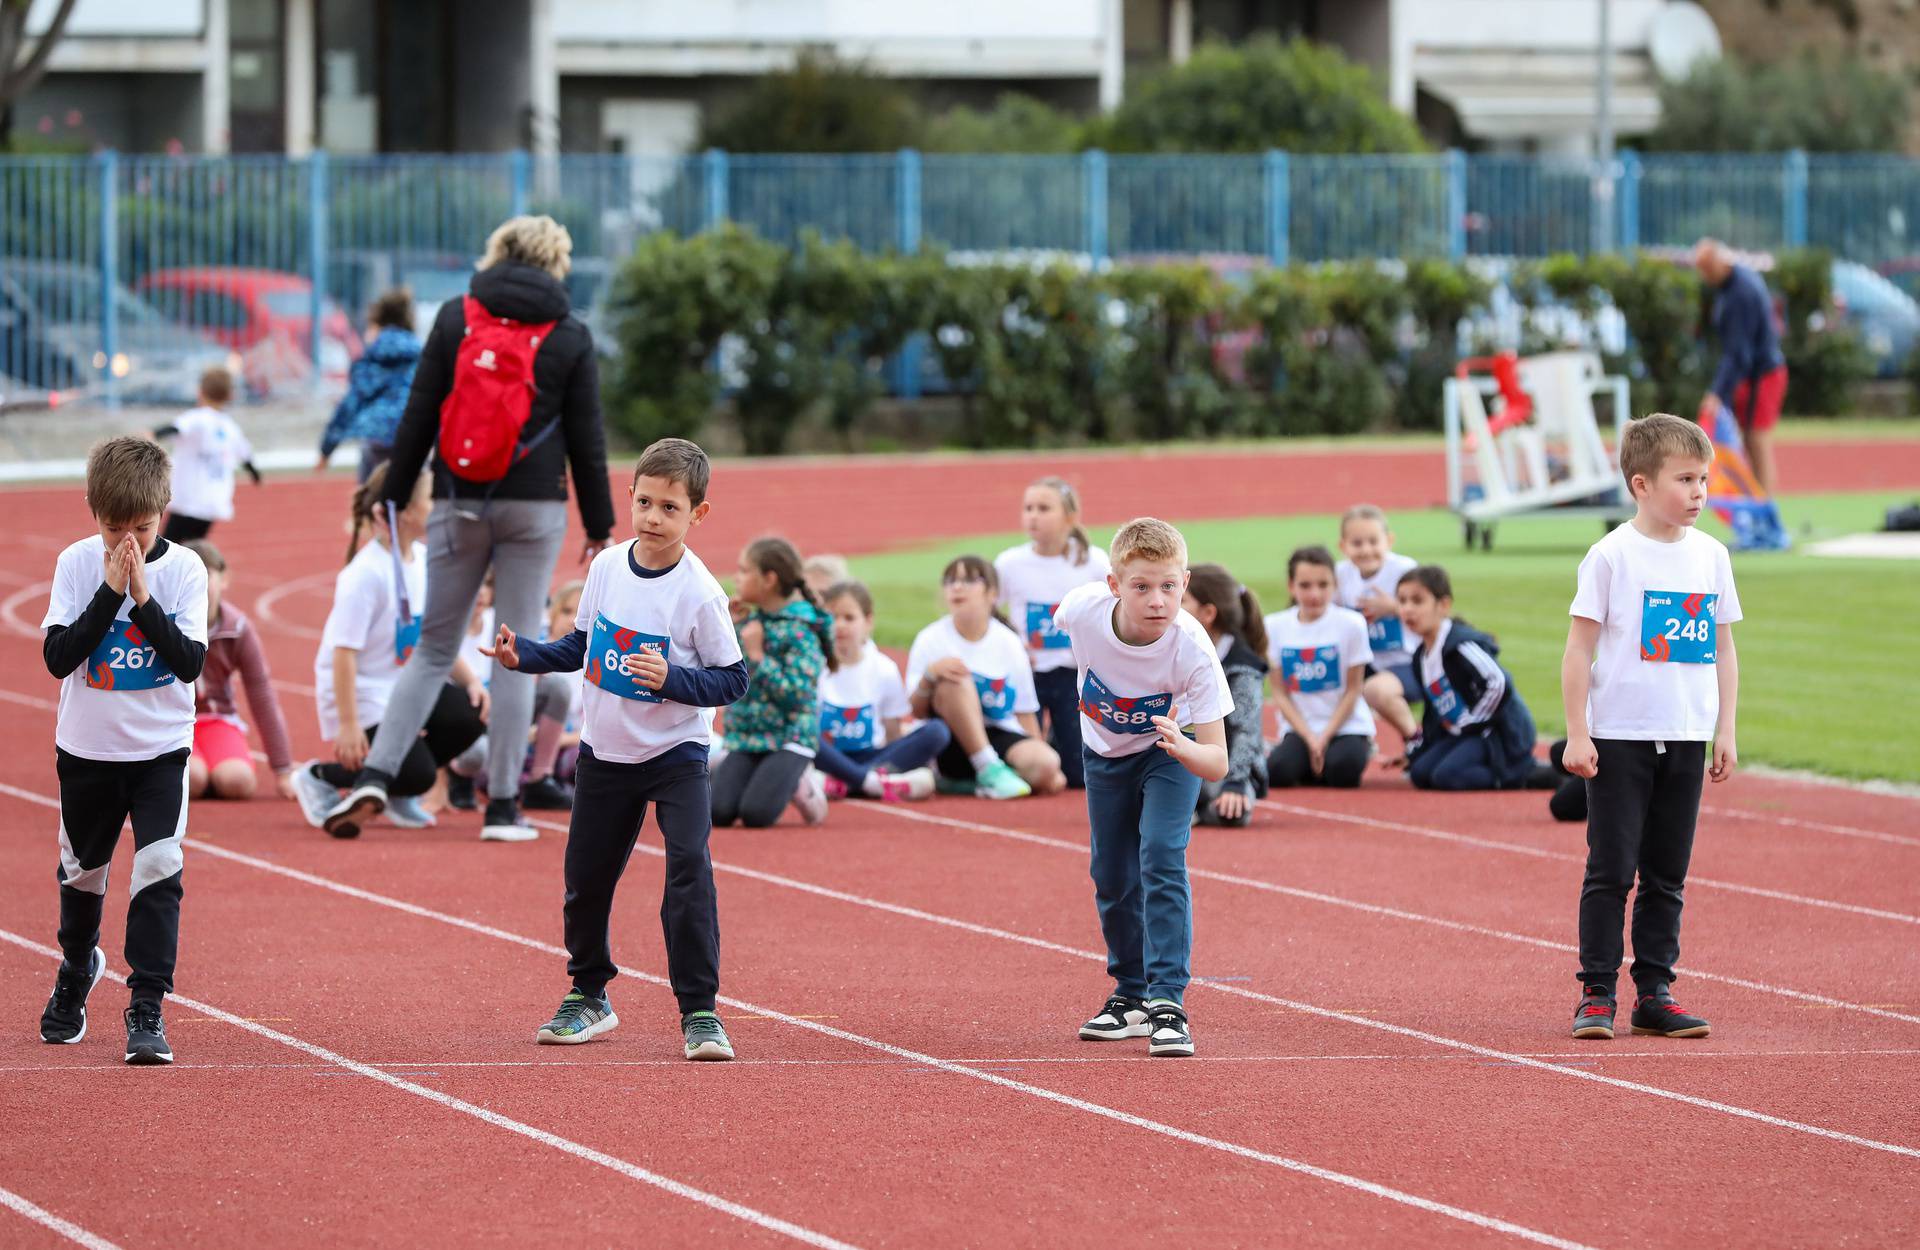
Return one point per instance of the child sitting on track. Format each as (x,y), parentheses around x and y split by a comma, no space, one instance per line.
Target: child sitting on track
(1230,614)
(864,749)
(1478,734)
(1319,654)
(1034,577)
(774,730)
(126,636)
(969,670)
(363,646)
(221,766)
(1649,680)
(1367,581)
(1146,669)
(657,644)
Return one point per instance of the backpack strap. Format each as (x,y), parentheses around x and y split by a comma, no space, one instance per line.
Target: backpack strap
(399,567)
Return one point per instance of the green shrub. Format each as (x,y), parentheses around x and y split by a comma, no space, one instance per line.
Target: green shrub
(1826,361)
(819,104)
(1166,351)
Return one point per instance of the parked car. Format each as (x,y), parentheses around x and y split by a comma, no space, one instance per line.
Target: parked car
(53,338)
(264,315)
(1886,316)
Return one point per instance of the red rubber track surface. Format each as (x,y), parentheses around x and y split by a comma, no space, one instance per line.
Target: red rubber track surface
(1387,980)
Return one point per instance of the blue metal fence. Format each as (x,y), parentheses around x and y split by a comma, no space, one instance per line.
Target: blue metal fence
(131,273)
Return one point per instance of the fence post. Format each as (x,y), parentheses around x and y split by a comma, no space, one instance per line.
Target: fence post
(1279,191)
(1093,170)
(107,173)
(1793,190)
(520,176)
(906,207)
(316,257)
(713,165)
(1629,200)
(1456,203)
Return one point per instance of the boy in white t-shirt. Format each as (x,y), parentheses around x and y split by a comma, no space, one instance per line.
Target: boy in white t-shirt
(1146,668)
(657,643)
(209,447)
(1649,681)
(127,637)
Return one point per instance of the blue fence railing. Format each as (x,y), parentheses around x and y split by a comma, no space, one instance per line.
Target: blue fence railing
(132,273)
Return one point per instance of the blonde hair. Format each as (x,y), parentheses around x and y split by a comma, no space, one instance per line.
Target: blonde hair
(1647,444)
(1148,538)
(128,479)
(1078,544)
(1362,512)
(538,241)
(827,567)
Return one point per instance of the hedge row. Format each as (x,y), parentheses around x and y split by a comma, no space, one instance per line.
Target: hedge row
(1050,352)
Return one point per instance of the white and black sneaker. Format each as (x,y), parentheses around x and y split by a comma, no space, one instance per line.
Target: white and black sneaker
(1168,1029)
(146,1035)
(1120,1017)
(64,1022)
(365,801)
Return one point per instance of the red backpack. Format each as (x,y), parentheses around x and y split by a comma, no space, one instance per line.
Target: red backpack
(483,415)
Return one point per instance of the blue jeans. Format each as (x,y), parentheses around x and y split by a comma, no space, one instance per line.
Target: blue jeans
(915,750)
(1140,808)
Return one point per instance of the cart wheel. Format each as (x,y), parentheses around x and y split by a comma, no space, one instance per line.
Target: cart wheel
(1471,532)
(1486,538)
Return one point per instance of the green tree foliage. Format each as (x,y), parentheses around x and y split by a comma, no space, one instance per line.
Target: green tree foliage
(1015,123)
(1818,104)
(818,105)
(1297,96)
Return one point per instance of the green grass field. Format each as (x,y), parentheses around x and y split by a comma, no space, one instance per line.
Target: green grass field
(1824,684)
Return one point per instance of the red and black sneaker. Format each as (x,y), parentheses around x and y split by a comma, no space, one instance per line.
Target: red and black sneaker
(1657,1014)
(1593,1018)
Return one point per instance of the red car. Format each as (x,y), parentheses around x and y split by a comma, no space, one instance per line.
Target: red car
(263,314)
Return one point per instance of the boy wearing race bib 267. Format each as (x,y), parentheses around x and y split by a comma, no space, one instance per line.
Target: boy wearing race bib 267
(1649,681)
(127,637)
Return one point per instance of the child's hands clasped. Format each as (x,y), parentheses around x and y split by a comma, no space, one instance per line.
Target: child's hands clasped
(116,569)
(505,648)
(136,571)
(647,666)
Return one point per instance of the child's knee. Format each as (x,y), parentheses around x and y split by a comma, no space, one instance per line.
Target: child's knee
(233,779)
(197,779)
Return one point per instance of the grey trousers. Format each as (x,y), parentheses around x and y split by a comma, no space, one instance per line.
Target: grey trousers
(520,539)
(552,697)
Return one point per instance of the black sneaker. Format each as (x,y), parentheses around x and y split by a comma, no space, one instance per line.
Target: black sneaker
(1120,1017)
(1169,1034)
(146,1035)
(503,823)
(1657,1014)
(460,793)
(361,804)
(64,1022)
(1542,777)
(1593,1017)
(546,795)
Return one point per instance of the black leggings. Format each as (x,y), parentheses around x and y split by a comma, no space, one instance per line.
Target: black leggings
(185,529)
(1346,760)
(1059,693)
(754,787)
(452,727)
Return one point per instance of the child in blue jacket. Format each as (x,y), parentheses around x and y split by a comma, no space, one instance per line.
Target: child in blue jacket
(377,385)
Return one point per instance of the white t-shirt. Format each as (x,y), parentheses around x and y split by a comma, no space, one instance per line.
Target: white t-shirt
(366,618)
(1311,660)
(122,703)
(1654,676)
(1392,646)
(1031,588)
(857,702)
(998,663)
(208,449)
(682,611)
(1123,687)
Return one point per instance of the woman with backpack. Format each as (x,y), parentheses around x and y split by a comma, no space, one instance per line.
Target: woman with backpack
(507,392)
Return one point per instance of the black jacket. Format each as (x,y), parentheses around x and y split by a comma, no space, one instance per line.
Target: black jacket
(1483,700)
(567,389)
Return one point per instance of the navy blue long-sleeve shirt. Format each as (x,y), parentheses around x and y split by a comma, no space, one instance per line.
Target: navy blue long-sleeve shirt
(1743,322)
(695,687)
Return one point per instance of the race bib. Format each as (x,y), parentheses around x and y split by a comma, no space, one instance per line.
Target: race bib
(996,696)
(1445,703)
(1124,716)
(1385,635)
(1042,633)
(1310,670)
(125,661)
(1676,628)
(405,638)
(850,728)
(607,646)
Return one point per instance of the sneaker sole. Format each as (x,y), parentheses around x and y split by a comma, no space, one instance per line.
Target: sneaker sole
(1170,1050)
(508,833)
(347,824)
(1091,1034)
(574,1039)
(1702,1031)
(99,970)
(1594,1032)
(144,1058)
(710,1052)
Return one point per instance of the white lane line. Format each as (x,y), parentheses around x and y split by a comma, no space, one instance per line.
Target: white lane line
(10,609)
(266,603)
(1395,913)
(1534,852)
(1360,1184)
(47,1219)
(1794,822)
(679,1189)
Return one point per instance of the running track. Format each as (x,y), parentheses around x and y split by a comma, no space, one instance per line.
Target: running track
(1383,1059)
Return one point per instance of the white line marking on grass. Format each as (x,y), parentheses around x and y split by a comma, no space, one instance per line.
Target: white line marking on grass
(47,1219)
(1395,913)
(680,1189)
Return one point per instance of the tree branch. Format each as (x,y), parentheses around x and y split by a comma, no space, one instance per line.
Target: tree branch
(24,79)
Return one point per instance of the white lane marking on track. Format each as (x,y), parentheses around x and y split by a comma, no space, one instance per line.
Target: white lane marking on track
(1025,940)
(1360,1184)
(1377,909)
(10,609)
(633,1171)
(47,1219)
(1794,822)
(266,603)
(1515,848)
